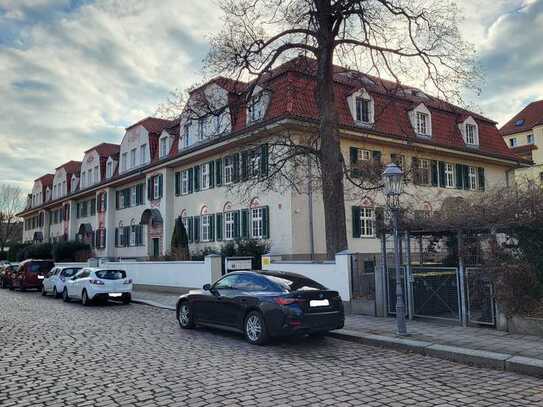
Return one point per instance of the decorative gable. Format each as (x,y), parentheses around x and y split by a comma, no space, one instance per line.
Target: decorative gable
(470,132)
(257,105)
(362,108)
(421,120)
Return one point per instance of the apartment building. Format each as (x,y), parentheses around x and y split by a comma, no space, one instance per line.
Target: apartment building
(523,134)
(196,167)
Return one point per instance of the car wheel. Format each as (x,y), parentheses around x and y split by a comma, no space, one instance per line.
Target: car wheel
(55,293)
(255,329)
(43,292)
(126,299)
(85,298)
(65,295)
(184,316)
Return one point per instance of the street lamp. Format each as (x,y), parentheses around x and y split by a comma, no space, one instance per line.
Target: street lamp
(393,186)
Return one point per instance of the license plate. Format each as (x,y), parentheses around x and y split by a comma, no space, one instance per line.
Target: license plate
(115,294)
(40,277)
(319,303)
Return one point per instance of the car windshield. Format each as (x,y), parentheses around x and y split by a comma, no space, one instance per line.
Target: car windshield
(111,274)
(43,267)
(294,283)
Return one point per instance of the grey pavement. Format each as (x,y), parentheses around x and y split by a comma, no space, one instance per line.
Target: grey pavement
(64,354)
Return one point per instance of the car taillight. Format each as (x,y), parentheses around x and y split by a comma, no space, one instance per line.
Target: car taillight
(96,282)
(287,301)
(128,281)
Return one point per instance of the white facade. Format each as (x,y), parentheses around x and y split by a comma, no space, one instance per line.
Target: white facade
(90,170)
(134,151)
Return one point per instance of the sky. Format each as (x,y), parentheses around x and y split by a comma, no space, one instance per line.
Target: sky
(75,73)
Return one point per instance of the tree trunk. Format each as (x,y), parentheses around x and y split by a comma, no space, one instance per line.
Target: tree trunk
(330,154)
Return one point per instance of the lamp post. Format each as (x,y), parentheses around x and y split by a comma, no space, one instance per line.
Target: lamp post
(393,185)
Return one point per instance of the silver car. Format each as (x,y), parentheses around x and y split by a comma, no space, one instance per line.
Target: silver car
(55,281)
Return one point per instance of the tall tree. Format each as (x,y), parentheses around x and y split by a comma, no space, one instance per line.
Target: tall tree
(11,203)
(415,40)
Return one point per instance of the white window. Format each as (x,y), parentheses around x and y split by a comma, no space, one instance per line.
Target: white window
(186,133)
(256,111)
(422,123)
(229,225)
(471,134)
(228,170)
(530,139)
(201,122)
(156,187)
(255,164)
(364,155)
(133,195)
(64,190)
(133,158)
(124,159)
(424,172)
(449,175)
(513,142)
(89,177)
(472,172)
(204,170)
(184,182)
(367,220)
(143,154)
(96,175)
(205,228)
(109,169)
(164,146)
(363,110)
(257,223)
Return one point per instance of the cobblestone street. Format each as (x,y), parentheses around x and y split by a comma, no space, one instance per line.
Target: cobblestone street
(58,354)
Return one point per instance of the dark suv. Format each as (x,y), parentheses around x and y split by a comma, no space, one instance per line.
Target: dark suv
(31,273)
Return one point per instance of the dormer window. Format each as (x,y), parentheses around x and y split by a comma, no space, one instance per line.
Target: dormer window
(362,110)
(470,132)
(421,120)
(164,146)
(201,123)
(255,109)
(109,169)
(513,142)
(361,107)
(530,139)
(422,123)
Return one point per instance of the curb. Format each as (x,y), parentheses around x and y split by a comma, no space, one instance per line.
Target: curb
(153,304)
(490,360)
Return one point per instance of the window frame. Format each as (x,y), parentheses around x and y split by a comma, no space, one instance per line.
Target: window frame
(422,123)
(472,178)
(258,222)
(450,175)
(205,228)
(205,176)
(229,223)
(367,222)
(361,102)
(184,182)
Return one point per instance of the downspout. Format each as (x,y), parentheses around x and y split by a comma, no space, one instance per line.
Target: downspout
(310,209)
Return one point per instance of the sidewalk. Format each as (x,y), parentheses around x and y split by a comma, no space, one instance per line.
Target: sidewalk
(483,347)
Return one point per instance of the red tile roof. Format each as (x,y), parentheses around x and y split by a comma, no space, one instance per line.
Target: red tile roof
(46,179)
(153,124)
(71,167)
(105,149)
(526,120)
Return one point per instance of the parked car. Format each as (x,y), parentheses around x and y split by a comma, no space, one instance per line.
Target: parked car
(55,281)
(263,304)
(31,273)
(6,273)
(90,284)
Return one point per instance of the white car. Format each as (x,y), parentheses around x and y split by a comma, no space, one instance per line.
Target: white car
(91,284)
(55,280)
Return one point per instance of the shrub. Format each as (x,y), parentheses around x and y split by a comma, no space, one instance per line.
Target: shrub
(36,251)
(71,251)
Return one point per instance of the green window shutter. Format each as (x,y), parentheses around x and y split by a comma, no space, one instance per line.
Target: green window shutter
(149,189)
(196,178)
(481,175)
(117,200)
(415,170)
(116,237)
(244,165)
(212,228)
(236,225)
(376,155)
(105,201)
(353,151)
(459,177)
(190,229)
(218,226)
(191,180)
(196,229)
(211,174)
(379,221)
(266,223)
(160,185)
(177,183)
(357,227)
(441,165)
(435,178)
(236,167)
(264,160)
(218,172)
(245,223)
(465,172)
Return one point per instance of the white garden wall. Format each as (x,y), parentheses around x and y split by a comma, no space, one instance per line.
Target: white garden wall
(333,275)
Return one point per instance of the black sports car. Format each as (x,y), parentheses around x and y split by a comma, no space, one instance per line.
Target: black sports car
(263,304)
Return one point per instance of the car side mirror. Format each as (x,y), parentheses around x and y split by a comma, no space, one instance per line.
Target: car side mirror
(73,278)
(207,287)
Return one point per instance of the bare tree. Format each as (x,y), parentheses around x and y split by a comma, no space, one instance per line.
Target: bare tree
(417,40)
(11,202)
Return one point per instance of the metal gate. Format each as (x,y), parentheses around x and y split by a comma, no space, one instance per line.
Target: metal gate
(481,306)
(391,290)
(363,276)
(436,292)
